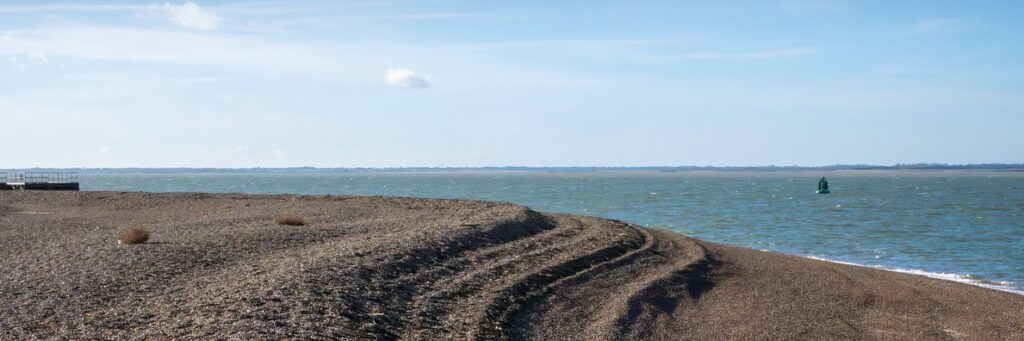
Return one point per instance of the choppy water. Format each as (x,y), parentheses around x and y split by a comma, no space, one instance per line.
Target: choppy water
(967,227)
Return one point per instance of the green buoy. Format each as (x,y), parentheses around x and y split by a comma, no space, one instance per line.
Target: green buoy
(823,186)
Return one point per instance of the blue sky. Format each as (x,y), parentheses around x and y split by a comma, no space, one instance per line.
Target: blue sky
(459,83)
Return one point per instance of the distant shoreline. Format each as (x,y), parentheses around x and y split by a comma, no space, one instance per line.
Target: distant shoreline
(938,168)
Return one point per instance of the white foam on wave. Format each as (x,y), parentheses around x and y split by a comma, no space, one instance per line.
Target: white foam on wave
(966,279)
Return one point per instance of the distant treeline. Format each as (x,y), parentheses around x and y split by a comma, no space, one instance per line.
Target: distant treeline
(912,166)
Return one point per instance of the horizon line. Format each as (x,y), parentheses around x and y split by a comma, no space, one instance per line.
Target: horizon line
(897,166)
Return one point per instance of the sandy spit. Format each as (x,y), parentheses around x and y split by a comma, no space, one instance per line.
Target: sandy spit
(217,266)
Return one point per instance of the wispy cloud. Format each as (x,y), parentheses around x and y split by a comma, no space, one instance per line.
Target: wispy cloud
(188,15)
(405,78)
(938,25)
(25,61)
(20,9)
(640,50)
(223,56)
(39,57)
(812,6)
(754,55)
(169,47)
(340,10)
(191,16)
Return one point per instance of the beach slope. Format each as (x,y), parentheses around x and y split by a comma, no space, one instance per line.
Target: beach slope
(218,266)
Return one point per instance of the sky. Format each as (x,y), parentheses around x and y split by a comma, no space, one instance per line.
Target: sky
(510,83)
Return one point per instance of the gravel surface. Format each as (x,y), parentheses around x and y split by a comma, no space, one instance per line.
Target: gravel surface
(217,266)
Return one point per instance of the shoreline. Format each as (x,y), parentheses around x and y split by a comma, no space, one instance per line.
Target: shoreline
(1009,287)
(218,266)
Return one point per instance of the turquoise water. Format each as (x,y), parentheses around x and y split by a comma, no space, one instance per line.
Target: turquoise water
(961,226)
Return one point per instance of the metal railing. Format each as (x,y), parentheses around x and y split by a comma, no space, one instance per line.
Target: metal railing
(39,177)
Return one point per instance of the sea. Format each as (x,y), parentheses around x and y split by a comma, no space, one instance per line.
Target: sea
(960,226)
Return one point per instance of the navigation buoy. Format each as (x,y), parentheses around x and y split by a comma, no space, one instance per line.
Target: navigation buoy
(823,186)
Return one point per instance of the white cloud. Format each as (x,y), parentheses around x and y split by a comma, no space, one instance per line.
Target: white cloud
(189,15)
(637,50)
(38,56)
(27,59)
(405,78)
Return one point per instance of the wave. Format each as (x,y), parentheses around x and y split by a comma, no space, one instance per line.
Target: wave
(966,279)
